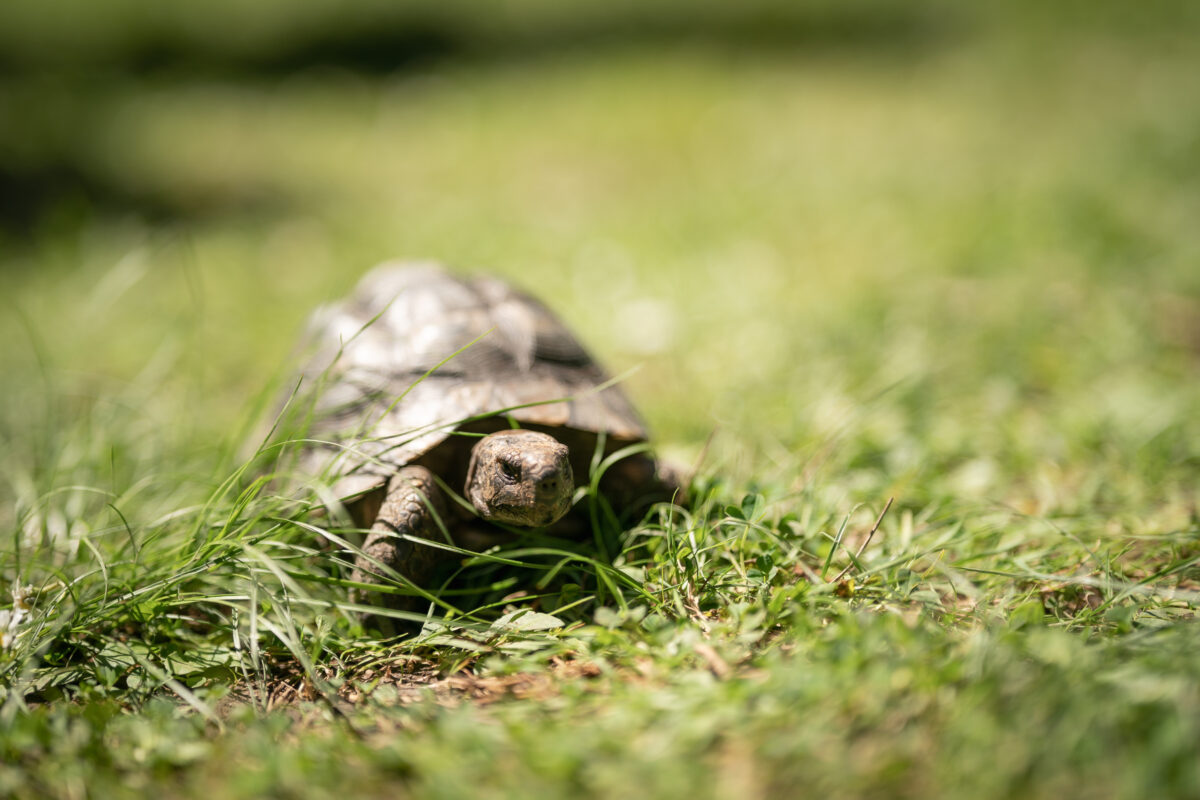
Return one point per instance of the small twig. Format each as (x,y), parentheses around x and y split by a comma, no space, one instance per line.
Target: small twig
(867,541)
(692,605)
(712,658)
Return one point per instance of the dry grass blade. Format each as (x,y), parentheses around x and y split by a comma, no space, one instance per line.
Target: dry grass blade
(866,541)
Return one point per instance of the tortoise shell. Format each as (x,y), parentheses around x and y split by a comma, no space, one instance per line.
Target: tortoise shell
(416,355)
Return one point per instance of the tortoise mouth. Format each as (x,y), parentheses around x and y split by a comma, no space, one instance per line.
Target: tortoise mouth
(526,516)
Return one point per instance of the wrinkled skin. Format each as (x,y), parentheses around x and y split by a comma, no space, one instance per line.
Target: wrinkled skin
(520,477)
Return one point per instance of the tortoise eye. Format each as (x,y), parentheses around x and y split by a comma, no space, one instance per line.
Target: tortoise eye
(511,469)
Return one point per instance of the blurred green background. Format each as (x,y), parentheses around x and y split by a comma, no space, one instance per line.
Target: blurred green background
(950,244)
(940,252)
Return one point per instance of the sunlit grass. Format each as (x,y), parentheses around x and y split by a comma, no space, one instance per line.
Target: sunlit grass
(960,278)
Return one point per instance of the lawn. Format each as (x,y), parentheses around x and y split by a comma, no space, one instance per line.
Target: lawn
(916,292)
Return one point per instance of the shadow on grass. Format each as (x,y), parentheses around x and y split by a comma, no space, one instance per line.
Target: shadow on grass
(65,180)
(384,40)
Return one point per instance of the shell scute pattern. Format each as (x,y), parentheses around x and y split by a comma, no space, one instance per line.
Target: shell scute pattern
(402,321)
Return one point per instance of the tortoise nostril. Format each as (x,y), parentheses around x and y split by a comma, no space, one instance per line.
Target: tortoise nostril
(548,486)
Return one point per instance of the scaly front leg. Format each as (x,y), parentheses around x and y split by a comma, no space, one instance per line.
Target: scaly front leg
(414,505)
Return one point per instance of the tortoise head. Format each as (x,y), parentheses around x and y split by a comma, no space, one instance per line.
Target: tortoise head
(520,477)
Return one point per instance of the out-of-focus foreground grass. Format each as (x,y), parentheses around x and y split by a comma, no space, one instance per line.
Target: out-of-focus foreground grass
(939,254)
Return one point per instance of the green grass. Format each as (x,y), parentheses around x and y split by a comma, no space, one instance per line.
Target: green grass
(959,272)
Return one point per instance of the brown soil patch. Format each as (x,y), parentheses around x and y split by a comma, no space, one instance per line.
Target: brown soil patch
(402,681)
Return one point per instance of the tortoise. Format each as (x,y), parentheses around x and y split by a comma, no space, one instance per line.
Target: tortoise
(428,379)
